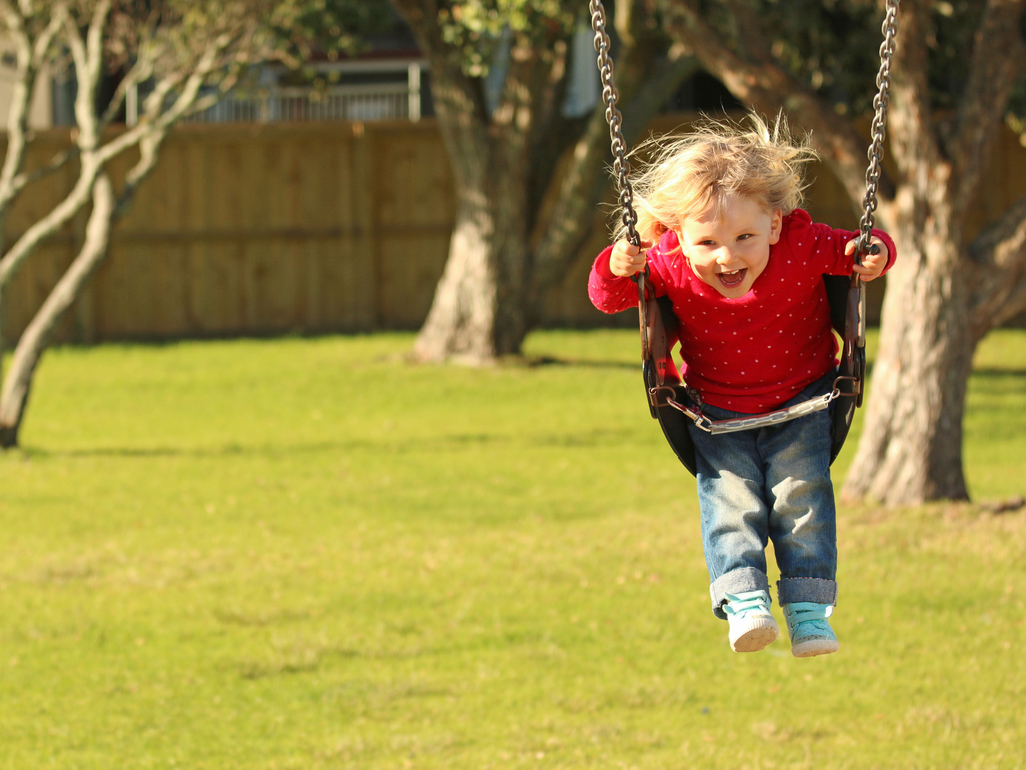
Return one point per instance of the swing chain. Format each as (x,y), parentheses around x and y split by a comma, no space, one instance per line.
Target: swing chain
(879,127)
(621,166)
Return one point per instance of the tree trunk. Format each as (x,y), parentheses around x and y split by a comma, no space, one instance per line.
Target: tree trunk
(478,309)
(17,385)
(942,295)
(911,446)
(509,245)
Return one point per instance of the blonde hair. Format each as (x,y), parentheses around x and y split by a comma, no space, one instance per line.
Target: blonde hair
(716,161)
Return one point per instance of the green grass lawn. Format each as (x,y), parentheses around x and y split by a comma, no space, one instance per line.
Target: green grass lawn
(306,554)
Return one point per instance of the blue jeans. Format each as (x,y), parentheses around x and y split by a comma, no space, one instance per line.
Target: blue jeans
(769,484)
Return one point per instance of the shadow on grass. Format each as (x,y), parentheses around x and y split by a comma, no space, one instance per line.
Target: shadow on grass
(392,445)
(534,362)
(541,361)
(991,372)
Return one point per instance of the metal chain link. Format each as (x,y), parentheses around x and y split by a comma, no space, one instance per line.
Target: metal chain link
(879,128)
(621,167)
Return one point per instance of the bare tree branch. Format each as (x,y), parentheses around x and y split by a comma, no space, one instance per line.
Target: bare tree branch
(181,46)
(915,144)
(93,155)
(757,78)
(30,55)
(999,254)
(17,385)
(87,53)
(643,81)
(998,57)
(459,100)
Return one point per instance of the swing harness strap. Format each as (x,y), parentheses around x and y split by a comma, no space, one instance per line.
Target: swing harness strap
(668,396)
(661,394)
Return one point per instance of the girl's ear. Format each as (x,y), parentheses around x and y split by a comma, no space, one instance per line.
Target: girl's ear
(776,225)
(659,230)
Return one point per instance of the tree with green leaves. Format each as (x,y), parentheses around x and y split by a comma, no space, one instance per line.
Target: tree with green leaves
(957,69)
(186,53)
(528,176)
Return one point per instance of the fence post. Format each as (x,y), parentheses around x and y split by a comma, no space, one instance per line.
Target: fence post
(365,188)
(413,81)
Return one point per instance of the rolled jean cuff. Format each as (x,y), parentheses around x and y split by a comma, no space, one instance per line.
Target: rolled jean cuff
(816,590)
(736,582)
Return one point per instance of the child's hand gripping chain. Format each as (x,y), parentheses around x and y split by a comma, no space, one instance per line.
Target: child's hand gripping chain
(873,263)
(627,259)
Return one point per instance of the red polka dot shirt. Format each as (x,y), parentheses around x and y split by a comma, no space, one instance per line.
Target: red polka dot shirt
(753,353)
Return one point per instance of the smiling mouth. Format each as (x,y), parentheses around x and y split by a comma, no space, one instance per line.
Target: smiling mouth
(733,279)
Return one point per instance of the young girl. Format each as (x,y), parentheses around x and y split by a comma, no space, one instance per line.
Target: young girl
(724,239)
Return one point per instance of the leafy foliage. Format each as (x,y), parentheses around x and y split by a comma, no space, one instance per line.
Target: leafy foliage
(291,30)
(334,27)
(833,45)
(476,27)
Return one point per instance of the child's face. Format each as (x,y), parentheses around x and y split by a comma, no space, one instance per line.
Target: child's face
(728,247)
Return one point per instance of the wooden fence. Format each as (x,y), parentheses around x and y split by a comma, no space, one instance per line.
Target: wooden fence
(279,228)
(259,230)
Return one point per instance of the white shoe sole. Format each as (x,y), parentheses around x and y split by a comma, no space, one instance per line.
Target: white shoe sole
(813,647)
(754,635)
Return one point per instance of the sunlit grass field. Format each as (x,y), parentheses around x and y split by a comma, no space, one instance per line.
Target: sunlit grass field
(305,553)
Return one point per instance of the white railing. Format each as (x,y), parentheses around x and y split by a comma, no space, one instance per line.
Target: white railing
(358,102)
(397,99)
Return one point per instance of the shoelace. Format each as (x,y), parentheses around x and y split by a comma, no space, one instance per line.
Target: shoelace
(740,606)
(809,616)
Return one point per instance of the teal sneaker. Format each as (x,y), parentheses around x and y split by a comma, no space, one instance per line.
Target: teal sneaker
(752,626)
(809,630)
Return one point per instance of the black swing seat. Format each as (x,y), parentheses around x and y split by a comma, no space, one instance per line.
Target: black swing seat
(661,332)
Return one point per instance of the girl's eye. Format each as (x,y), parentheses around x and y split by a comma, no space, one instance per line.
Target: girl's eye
(744,237)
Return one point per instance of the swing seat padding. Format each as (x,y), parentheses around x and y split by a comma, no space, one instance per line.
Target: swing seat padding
(660,371)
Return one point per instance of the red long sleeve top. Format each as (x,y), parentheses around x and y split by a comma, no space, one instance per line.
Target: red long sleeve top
(753,353)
